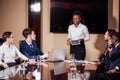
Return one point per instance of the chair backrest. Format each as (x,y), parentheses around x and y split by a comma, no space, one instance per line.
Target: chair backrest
(20,42)
(1,41)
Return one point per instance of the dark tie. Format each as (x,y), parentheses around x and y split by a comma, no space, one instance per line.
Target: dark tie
(34,51)
(31,46)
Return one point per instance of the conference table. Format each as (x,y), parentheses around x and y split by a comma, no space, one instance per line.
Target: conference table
(50,70)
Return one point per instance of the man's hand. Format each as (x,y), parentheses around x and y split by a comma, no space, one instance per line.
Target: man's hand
(110,49)
(97,61)
(111,71)
(110,46)
(5,65)
(44,56)
(31,61)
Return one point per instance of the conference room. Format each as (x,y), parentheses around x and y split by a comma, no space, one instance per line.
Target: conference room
(69,34)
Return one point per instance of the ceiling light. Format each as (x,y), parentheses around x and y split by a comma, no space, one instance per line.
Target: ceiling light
(35,7)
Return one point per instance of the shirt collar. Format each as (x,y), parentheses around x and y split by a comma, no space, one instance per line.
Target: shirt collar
(78,25)
(28,43)
(117,45)
(7,45)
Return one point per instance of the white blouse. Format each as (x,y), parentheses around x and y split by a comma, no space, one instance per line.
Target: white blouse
(79,32)
(8,53)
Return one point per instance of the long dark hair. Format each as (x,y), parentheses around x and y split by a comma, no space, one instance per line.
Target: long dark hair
(76,12)
(6,35)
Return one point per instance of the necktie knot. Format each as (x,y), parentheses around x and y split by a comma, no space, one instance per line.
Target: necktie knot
(31,46)
(33,49)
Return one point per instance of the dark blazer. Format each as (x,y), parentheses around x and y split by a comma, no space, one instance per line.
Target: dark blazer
(28,52)
(115,57)
(104,59)
(114,60)
(103,56)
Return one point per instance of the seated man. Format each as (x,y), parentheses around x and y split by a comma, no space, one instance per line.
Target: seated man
(29,47)
(104,58)
(112,71)
(8,51)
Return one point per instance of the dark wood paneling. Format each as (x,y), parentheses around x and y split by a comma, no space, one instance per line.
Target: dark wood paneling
(34,21)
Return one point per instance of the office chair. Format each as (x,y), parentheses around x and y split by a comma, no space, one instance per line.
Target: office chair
(1,41)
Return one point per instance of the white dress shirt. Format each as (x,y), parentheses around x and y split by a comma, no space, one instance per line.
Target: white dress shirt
(8,53)
(79,32)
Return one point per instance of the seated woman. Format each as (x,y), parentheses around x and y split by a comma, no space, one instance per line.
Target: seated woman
(8,51)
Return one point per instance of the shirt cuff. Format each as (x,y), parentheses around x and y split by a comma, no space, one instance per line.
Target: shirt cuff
(117,68)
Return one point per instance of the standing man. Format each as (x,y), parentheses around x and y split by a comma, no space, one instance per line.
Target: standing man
(79,33)
(29,47)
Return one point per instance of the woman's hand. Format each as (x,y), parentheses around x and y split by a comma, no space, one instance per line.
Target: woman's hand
(68,41)
(5,65)
(81,40)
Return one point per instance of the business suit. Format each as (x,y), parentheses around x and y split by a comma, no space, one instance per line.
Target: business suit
(114,59)
(104,59)
(28,51)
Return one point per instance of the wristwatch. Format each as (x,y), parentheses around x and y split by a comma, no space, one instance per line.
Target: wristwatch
(117,68)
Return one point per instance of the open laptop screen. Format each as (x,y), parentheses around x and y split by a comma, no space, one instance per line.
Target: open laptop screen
(59,54)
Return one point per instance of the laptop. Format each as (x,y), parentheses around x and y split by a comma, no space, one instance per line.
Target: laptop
(58,55)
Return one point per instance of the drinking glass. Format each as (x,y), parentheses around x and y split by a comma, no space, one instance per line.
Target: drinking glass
(38,63)
(72,58)
(22,71)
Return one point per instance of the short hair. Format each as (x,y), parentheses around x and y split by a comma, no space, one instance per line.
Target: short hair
(111,32)
(116,36)
(77,13)
(26,32)
(6,35)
